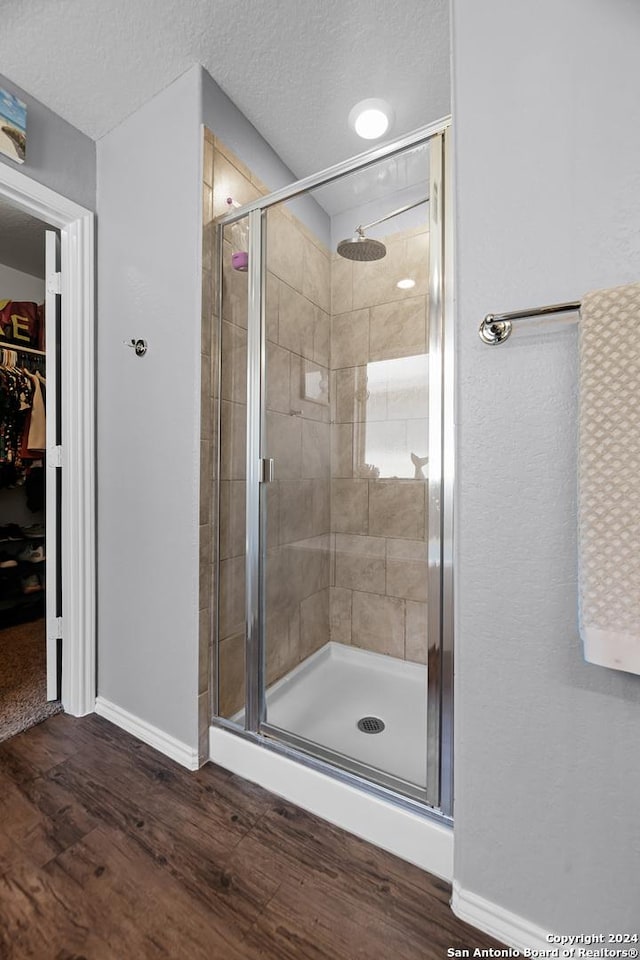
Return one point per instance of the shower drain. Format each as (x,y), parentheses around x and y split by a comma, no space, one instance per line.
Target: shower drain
(371,725)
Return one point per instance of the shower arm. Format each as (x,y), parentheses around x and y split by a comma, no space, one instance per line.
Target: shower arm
(395,213)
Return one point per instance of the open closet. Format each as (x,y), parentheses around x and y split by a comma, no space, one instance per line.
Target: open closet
(23,444)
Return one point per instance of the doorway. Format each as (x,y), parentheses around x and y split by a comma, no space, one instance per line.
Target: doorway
(28,558)
(68,461)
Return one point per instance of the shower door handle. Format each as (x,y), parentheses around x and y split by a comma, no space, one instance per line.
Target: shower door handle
(267,470)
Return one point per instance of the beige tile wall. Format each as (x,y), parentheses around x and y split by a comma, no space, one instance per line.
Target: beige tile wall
(298,437)
(378,596)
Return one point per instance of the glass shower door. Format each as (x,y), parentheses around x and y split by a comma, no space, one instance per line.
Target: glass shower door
(296,503)
(345,430)
(331,626)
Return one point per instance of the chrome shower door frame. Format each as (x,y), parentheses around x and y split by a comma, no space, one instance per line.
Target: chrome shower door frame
(438,795)
(255,708)
(440,631)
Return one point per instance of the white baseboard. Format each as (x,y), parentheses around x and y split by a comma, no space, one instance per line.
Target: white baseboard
(161,741)
(505,926)
(413,837)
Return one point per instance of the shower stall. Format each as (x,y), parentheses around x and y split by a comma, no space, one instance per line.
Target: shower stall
(332,630)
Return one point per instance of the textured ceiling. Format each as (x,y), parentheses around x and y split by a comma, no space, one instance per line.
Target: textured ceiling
(294,67)
(21,240)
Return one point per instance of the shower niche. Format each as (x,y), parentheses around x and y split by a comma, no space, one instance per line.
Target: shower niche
(329,625)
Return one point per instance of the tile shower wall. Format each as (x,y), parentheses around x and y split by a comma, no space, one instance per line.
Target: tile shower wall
(298,303)
(379,391)
(298,437)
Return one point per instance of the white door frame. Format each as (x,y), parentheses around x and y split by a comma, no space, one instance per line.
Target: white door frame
(77,377)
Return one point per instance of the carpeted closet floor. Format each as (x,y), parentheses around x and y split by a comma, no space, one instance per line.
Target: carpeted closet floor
(23,686)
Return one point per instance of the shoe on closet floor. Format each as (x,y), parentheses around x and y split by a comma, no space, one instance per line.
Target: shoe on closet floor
(35,531)
(32,554)
(32,584)
(6,561)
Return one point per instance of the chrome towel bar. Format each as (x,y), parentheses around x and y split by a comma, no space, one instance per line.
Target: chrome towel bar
(496,327)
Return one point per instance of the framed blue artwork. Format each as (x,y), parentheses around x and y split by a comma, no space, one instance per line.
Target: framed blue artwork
(13,127)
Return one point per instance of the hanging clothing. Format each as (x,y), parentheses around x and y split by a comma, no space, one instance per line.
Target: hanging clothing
(16,397)
(37,436)
(34,434)
(22,419)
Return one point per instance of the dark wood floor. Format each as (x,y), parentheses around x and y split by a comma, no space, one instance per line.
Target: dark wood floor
(110,850)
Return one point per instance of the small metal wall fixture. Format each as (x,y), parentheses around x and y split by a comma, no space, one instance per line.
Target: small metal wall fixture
(494,331)
(140,346)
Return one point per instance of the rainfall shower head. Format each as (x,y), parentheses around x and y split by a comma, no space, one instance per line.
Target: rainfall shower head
(359,247)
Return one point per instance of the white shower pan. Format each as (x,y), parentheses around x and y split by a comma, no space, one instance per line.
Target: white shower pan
(324,697)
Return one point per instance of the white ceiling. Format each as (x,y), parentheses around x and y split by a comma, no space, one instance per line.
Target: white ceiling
(21,240)
(294,67)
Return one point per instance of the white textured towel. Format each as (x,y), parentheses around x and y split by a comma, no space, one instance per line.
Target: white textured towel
(609,477)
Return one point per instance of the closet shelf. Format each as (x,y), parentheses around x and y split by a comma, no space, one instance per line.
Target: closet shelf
(31,536)
(17,349)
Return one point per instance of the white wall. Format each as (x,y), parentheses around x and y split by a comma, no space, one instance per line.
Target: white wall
(149,212)
(150,233)
(16,285)
(58,155)
(548,207)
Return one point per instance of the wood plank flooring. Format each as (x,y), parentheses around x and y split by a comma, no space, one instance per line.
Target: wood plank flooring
(110,851)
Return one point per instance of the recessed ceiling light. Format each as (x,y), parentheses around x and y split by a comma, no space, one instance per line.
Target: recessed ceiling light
(405,284)
(371,118)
